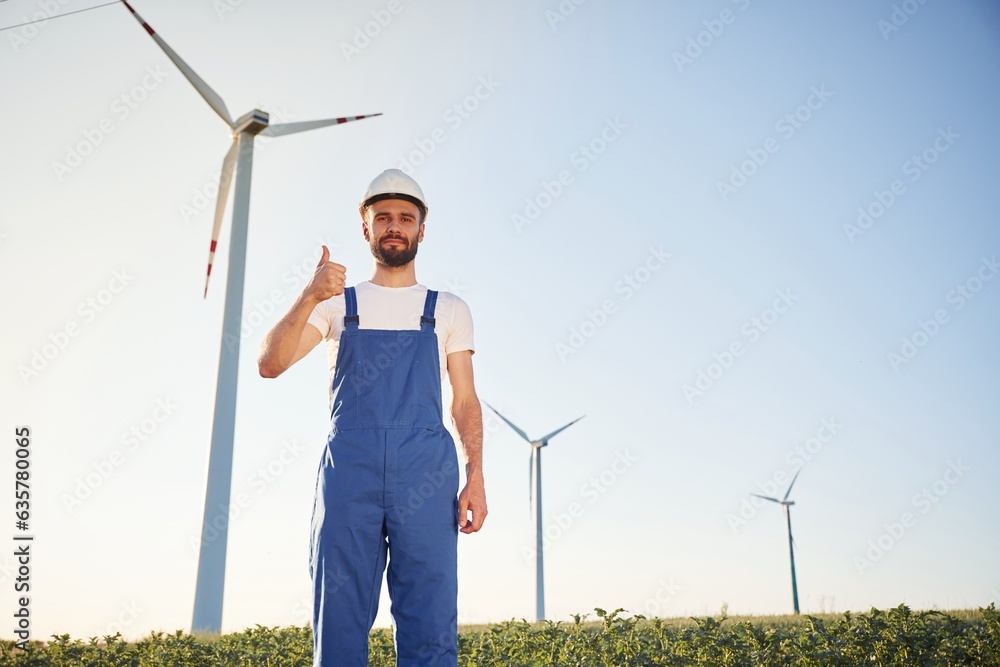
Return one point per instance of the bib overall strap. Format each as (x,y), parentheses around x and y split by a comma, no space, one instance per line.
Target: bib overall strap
(427,319)
(351,316)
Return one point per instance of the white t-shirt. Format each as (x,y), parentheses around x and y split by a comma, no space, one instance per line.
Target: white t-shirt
(396,308)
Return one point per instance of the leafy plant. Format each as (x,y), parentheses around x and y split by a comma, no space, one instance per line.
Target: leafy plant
(879,638)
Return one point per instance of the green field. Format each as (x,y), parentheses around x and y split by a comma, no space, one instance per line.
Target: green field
(897,636)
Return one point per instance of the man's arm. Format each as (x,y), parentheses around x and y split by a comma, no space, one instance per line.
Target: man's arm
(467,416)
(293,337)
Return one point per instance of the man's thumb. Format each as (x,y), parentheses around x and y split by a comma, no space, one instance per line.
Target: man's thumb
(325,258)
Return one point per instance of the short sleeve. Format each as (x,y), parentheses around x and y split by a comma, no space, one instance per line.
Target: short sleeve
(460,333)
(322,318)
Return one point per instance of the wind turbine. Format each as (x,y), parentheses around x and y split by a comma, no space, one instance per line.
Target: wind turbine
(785,505)
(535,479)
(207,614)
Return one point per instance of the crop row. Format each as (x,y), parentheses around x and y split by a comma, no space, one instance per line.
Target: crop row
(897,636)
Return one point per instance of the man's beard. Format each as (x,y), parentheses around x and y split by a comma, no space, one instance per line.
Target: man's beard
(394,256)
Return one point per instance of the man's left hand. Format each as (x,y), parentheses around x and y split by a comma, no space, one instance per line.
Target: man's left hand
(472,499)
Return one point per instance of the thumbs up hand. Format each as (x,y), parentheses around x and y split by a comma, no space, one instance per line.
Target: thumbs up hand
(329,279)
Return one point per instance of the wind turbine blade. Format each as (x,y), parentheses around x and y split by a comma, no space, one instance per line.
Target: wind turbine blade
(291,128)
(792,484)
(509,423)
(773,500)
(199,84)
(225,178)
(561,429)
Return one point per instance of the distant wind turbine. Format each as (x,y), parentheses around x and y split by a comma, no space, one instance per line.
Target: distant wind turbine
(535,480)
(207,615)
(785,505)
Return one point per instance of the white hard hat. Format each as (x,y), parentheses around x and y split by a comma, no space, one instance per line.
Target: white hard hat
(394,184)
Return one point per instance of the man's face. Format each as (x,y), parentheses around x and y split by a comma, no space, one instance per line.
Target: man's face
(393,231)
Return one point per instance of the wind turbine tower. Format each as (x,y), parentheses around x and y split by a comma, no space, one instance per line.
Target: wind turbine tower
(207,616)
(535,480)
(786,505)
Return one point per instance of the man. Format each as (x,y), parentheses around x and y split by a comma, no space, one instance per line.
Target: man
(388,477)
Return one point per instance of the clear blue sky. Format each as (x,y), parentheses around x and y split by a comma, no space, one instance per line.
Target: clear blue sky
(696,169)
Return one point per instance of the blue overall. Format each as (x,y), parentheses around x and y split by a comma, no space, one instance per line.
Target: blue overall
(387,484)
